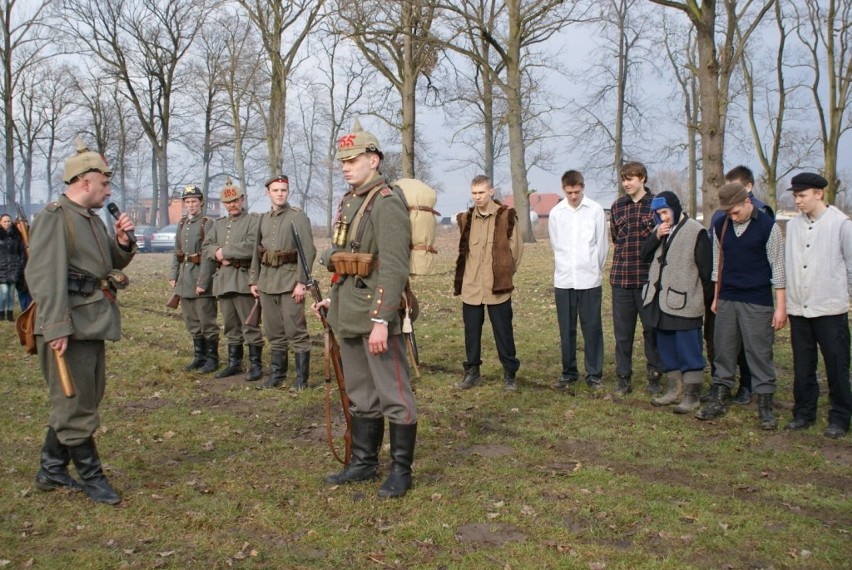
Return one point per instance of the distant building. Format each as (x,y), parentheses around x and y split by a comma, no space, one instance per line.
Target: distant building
(541,204)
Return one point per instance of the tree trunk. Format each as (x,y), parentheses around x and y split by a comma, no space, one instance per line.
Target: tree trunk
(514,108)
(712,123)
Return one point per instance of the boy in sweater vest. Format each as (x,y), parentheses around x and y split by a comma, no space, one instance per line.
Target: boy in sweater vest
(748,268)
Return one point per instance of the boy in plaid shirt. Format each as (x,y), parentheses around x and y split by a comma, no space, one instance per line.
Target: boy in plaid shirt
(631,220)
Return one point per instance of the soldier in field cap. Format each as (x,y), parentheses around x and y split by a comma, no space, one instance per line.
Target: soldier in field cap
(372,224)
(278,280)
(230,245)
(73,273)
(819,287)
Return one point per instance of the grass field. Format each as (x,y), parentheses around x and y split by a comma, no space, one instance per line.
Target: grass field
(216,474)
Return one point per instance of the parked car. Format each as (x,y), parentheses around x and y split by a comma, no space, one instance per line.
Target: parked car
(143,237)
(164,239)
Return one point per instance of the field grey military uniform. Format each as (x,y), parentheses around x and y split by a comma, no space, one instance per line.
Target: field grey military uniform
(236,236)
(191,269)
(71,257)
(276,270)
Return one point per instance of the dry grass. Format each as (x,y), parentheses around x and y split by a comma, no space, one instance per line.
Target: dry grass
(216,474)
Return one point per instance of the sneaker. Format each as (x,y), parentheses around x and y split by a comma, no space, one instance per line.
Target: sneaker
(564,382)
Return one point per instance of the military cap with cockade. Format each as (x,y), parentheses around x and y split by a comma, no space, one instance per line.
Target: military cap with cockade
(230,192)
(83,161)
(356,143)
(277,178)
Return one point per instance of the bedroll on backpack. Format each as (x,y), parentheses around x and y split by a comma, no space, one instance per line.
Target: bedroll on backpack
(421,210)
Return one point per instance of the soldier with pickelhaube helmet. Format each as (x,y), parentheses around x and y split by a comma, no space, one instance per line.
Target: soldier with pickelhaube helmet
(370,260)
(74,276)
(278,280)
(230,245)
(192,280)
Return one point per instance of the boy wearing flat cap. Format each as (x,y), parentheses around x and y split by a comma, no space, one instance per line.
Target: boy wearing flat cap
(748,268)
(819,285)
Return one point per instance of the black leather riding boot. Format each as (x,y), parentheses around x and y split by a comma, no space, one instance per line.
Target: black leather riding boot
(402,440)
(277,370)
(235,361)
(255,370)
(53,473)
(200,349)
(211,362)
(88,464)
(303,368)
(367,435)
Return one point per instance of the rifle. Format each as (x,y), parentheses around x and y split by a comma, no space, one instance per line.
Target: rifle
(253,318)
(332,359)
(23,227)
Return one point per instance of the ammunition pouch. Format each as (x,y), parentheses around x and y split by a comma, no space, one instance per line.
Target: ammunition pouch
(86,285)
(360,264)
(275,258)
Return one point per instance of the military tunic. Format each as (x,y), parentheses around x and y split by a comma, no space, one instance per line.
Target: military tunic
(65,239)
(191,269)
(377,385)
(236,236)
(283,318)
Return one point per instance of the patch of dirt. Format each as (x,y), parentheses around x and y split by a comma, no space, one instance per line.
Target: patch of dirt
(493,534)
(146,405)
(490,450)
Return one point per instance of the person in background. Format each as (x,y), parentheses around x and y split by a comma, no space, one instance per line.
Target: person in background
(577,229)
(490,251)
(277,278)
(819,287)
(631,221)
(11,266)
(681,259)
(192,280)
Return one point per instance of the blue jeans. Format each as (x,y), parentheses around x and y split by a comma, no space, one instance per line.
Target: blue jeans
(7,297)
(585,304)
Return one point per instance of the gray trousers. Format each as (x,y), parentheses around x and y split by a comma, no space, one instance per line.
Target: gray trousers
(750,326)
(378,386)
(284,322)
(235,310)
(199,316)
(75,419)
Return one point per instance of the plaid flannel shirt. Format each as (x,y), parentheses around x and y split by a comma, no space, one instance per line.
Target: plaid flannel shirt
(629,224)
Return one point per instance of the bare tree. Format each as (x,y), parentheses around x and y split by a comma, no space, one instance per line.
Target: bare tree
(774,141)
(610,121)
(681,54)
(20,48)
(141,44)
(396,39)
(57,99)
(715,68)
(522,25)
(275,20)
(826,32)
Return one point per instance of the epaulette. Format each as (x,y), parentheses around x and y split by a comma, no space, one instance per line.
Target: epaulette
(386,191)
(52,207)
(295,209)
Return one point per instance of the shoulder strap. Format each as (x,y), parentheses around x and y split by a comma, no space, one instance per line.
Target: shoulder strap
(362,216)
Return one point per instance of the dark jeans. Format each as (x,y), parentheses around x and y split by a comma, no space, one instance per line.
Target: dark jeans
(585,304)
(831,335)
(504,337)
(742,363)
(626,307)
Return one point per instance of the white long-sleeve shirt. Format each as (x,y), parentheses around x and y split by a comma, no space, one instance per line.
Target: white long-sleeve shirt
(580,244)
(819,264)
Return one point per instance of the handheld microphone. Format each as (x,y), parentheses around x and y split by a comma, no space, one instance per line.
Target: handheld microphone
(115,212)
